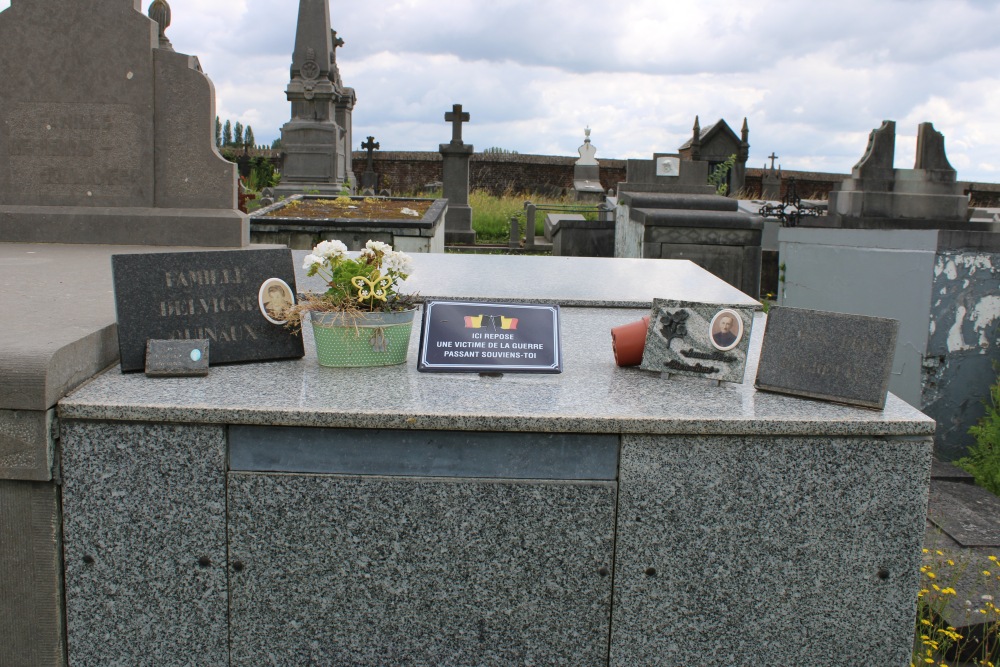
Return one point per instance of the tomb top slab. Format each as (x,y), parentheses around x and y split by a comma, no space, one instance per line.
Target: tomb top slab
(592,395)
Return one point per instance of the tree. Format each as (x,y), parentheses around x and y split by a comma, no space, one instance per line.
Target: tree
(248,137)
(238,134)
(227,134)
(218,132)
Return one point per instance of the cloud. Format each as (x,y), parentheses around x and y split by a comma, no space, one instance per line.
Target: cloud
(813,77)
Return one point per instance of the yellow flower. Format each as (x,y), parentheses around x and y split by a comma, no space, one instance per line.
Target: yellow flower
(931,575)
(986,573)
(994,559)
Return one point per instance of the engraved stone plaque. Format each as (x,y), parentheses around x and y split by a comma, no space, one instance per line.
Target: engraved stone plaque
(177,358)
(830,356)
(704,340)
(214,295)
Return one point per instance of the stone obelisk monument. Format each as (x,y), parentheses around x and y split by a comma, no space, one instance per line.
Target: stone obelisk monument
(317,140)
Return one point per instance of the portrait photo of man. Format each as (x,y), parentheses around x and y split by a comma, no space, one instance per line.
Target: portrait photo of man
(275,297)
(726,329)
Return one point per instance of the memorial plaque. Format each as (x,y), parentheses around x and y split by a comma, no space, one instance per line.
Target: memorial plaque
(459,336)
(829,356)
(229,298)
(177,358)
(706,340)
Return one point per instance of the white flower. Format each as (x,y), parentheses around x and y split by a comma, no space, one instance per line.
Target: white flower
(310,260)
(378,247)
(330,249)
(399,262)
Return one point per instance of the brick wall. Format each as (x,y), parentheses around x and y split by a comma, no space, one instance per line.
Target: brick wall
(410,171)
(548,174)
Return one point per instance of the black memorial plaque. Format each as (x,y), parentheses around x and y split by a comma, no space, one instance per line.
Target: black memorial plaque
(224,296)
(458,336)
(830,356)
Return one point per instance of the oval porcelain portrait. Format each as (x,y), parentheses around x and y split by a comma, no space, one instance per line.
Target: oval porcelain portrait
(726,330)
(274,298)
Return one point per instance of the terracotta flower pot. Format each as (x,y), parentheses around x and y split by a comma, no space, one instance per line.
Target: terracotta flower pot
(628,341)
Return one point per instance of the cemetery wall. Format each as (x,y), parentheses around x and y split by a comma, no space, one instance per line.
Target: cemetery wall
(410,171)
(499,173)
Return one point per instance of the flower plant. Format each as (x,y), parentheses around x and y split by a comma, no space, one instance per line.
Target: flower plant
(368,282)
(937,644)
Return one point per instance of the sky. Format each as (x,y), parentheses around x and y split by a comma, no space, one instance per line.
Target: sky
(812,77)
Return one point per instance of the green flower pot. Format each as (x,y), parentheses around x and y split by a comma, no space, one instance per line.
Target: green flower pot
(368,339)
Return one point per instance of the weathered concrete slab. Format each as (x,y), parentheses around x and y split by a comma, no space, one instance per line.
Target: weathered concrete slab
(26,445)
(967,513)
(31,609)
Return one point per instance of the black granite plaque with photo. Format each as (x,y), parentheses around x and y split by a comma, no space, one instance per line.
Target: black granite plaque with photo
(227,297)
(459,336)
(830,356)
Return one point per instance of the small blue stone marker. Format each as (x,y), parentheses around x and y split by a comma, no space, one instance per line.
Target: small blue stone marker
(195,355)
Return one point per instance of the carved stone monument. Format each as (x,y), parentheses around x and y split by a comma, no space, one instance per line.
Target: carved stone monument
(456,154)
(770,181)
(106,132)
(317,140)
(877,195)
(715,144)
(587,173)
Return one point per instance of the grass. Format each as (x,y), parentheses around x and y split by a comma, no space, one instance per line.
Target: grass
(491,214)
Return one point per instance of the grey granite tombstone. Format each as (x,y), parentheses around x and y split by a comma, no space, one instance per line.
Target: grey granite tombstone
(107,138)
(317,139)
(830,356)
(703,340)
(456,154)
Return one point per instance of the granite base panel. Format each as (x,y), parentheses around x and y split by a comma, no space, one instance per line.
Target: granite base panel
(419,571)
(772,551)
(217,228)
(701,550)
(145,544)
(31,608)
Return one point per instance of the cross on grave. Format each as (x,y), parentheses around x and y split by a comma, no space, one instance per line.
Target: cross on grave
(773,158)
(456,117)
(371,145)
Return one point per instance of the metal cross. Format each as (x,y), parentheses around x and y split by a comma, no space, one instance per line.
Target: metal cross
(773,158)
(370,146)
(456,117)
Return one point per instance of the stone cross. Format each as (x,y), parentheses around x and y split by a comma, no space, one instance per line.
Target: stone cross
(456,117)
(370,146)
(773,158)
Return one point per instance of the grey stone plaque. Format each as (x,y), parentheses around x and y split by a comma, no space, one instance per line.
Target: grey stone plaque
(222,296)
(829,356)
(705,340)
(177,358)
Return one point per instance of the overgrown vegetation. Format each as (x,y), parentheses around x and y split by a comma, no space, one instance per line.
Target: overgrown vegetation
(720,175)
(983,460)
(939,644)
